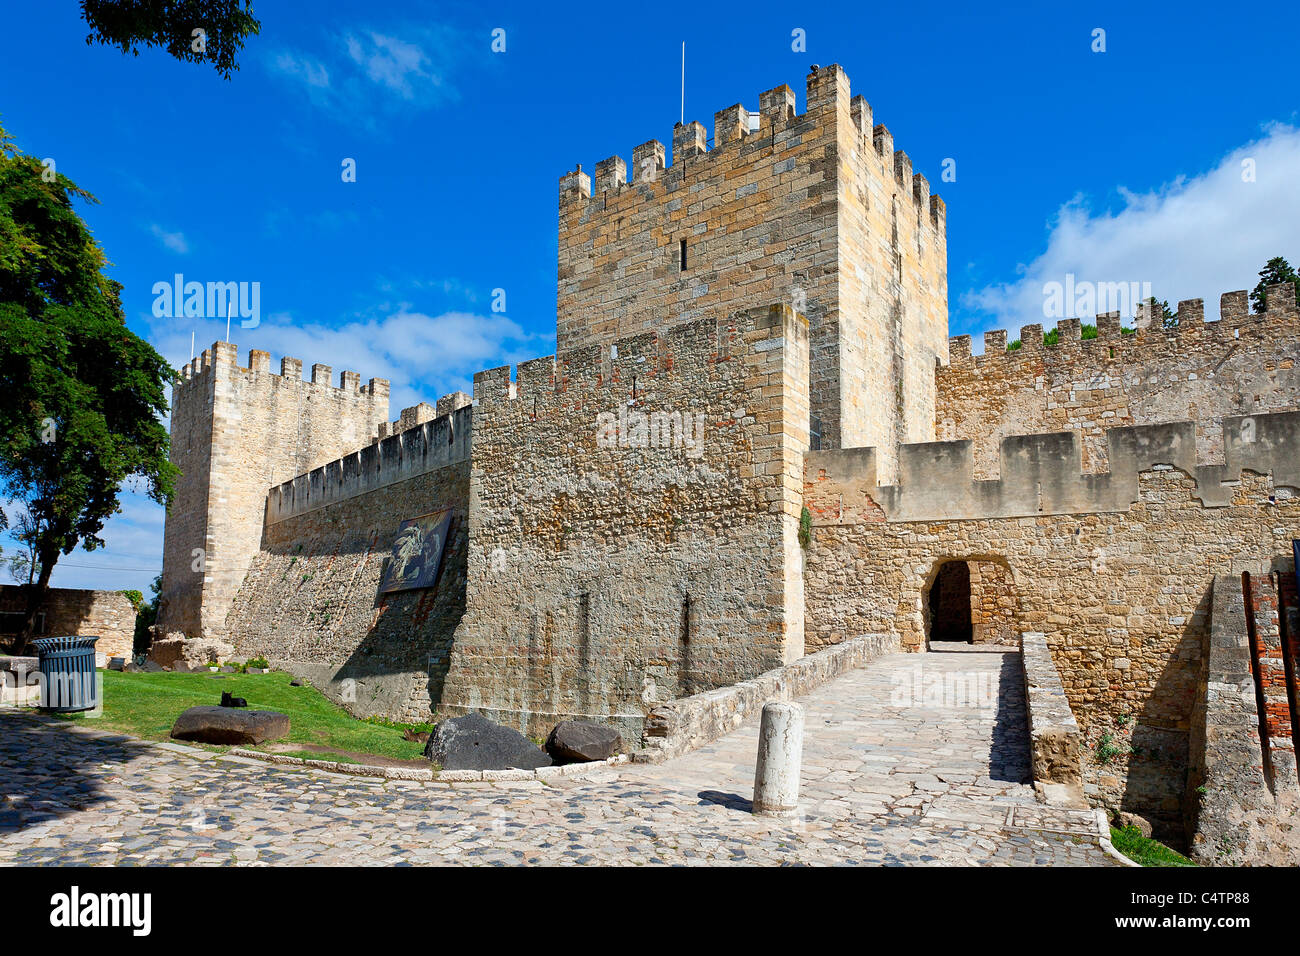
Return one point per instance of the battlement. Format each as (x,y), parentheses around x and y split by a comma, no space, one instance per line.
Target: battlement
(1236,323)
(1042,474)
(435,443)
(632,364)
(659,170)
(226,355)
(423,412)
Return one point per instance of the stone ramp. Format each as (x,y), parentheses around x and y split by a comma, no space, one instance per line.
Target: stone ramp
(910,742)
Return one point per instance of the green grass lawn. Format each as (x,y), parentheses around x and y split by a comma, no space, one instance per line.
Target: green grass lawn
(1145,851)
(147,704)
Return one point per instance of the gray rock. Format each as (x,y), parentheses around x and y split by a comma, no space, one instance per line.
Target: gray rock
(473,742)
(581,741)
(117,663)
(1124,819)
(228,725)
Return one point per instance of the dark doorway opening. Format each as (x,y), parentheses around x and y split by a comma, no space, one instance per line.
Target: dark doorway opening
(950,604)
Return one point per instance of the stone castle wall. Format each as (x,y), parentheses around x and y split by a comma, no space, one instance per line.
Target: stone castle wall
(1200,372)
(82,612)
(311,601)
(603,581)
(1115,569)
(814,209)
(237,432)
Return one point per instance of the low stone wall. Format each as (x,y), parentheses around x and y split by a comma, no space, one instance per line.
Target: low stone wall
(682,725)
(19,682)
(1056,745)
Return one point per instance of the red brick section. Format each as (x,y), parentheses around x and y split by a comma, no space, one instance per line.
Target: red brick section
(1288,602)
(1272,672)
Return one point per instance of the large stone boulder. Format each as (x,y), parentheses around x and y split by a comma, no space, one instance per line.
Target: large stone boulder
(181,653)
(580,741)
(230,725)
(473,742)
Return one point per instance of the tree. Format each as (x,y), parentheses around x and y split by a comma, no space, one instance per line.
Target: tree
(146,615)
(24,567)
(81,395)
(1276,271)
(195,31)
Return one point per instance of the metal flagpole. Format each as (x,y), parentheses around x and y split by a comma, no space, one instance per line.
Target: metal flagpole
(683,121)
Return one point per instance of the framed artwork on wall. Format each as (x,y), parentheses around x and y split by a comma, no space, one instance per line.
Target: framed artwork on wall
(417,552)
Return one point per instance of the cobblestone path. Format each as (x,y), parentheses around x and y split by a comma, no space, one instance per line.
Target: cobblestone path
(902,764)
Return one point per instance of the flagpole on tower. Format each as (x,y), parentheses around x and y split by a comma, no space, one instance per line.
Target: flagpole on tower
(683,82)
(227,318)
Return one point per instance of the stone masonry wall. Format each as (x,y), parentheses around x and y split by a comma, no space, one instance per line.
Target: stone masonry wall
(815,209)
(311,603)
(603,579)
(236,432)
(1116,570)
(1200,372)
(83,612)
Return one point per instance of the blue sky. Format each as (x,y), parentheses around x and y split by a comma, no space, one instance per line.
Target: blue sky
(1123,165)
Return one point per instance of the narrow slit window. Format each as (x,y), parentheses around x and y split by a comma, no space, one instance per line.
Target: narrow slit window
(682,246)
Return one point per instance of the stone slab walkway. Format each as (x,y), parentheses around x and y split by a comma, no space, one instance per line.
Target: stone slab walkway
(916,759)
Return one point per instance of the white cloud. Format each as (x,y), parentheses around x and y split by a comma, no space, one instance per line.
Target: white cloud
(175,241)
(1191,238)
(310,71)
(369,72)
(396,64)
(423,356)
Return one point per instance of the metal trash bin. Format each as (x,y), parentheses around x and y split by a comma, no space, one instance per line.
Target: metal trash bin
(68,679)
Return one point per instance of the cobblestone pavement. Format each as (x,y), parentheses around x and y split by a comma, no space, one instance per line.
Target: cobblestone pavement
(893,774)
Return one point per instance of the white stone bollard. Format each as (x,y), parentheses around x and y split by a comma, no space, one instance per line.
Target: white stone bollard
(780,752)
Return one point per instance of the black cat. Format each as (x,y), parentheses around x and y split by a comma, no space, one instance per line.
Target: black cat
(228,701)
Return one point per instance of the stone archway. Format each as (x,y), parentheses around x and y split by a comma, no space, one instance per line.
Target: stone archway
(971,600)
(949,604)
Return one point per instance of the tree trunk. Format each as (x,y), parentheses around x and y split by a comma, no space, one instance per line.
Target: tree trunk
(35,599)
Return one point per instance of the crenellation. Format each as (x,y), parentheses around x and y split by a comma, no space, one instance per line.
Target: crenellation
(1234,307)
(777,106)
(320,374)
(1191,314)
(883,140)
(291,368)
(1041,473)
(860,110)
(939,214)
(259,361)
(730,124)
(427,446)
(1280,297)
(648,161)
(689,140)
(902,169)
(575,186)
(1031,338)
(350,382)
(611,174)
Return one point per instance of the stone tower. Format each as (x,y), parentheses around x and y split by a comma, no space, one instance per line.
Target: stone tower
(235,433)
(815,209)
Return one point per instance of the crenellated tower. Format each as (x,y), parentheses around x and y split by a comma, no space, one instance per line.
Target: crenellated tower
(816,209)
(235,433)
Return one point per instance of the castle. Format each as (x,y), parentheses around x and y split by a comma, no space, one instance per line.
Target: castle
(756,441)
